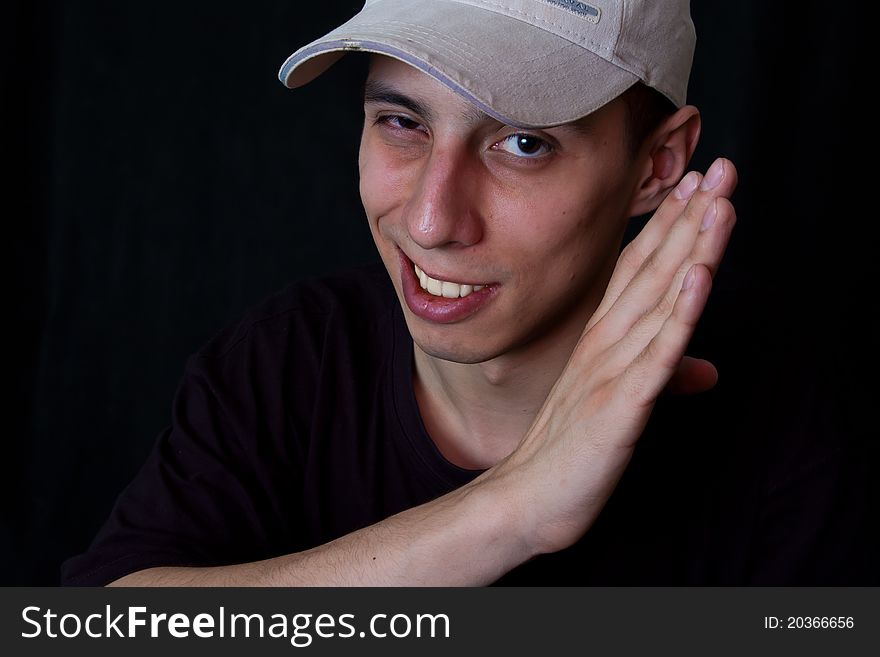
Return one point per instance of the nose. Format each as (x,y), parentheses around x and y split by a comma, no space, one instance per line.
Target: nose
(444,207)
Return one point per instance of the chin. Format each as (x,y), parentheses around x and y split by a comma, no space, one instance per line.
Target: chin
(457,353)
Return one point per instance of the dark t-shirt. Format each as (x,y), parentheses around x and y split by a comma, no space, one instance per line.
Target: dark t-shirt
(300,425)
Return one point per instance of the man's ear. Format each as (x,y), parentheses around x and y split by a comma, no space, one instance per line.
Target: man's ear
(663,158)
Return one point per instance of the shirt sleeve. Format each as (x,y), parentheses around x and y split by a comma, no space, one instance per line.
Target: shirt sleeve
(817,520)
(816,527)
(202,498)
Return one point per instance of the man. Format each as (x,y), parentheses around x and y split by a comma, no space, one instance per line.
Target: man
(477,413)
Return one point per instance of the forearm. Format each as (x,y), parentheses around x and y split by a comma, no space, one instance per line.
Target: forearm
(469,537)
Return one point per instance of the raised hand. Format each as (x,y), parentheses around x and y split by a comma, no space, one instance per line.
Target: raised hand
(569,462)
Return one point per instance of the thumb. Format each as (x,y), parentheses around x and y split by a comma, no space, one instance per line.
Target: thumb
(693,375)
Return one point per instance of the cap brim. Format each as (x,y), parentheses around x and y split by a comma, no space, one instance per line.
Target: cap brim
(518,74)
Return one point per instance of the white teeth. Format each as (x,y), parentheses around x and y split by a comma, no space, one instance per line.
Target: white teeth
(444,288)
(450,290)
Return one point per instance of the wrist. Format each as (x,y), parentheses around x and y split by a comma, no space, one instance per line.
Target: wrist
(507,513)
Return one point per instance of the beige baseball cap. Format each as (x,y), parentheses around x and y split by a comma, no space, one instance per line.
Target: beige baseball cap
(526,63)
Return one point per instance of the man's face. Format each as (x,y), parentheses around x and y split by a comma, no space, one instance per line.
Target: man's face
(533,216)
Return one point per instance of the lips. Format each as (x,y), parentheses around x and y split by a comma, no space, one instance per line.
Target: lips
(440,301)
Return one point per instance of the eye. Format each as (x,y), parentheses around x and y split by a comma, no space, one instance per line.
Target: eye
(523,145)
(399,122)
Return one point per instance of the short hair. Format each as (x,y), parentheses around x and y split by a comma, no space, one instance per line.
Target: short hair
(645,108)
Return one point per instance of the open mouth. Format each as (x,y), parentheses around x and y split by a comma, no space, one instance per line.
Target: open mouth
(441,301)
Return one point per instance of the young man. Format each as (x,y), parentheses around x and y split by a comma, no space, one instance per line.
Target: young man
(476,411)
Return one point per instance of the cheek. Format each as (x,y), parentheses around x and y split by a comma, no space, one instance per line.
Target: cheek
(383,182)
(557,236)
(549,222)
(369,185)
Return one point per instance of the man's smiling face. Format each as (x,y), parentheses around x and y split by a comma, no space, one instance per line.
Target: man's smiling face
(535,217)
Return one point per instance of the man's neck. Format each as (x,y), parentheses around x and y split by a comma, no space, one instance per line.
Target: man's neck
(478,413)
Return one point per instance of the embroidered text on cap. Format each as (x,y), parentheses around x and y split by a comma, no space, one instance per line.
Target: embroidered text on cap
(591,13)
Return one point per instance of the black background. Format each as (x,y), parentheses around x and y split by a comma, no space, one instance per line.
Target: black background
(159,180)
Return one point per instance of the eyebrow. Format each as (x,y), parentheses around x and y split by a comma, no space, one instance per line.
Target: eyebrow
(376,92)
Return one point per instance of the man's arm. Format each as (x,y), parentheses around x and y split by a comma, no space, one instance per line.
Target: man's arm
(548,492)
(467,537)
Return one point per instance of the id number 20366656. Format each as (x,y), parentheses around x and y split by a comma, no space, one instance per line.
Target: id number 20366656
(808,622)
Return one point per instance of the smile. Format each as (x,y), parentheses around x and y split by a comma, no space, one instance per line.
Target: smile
(438,301)
(446,289)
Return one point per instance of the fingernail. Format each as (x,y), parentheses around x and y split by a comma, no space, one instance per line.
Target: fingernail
(687,186)
(709,216)
(689,279)
(714,175)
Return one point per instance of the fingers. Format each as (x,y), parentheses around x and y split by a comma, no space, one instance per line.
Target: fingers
(653,368)
(708,251)
(699,234)
(694,375)
(675,225)
(649,238)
